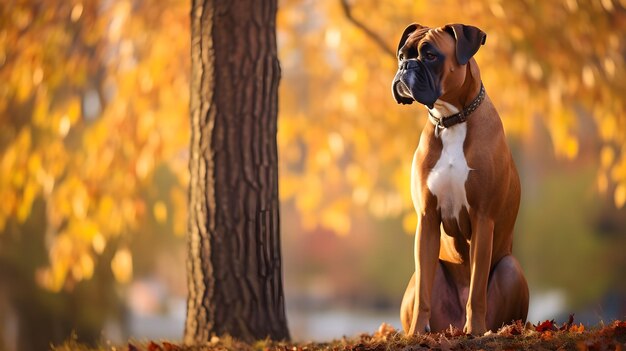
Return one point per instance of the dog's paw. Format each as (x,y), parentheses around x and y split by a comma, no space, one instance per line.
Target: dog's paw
(468,329)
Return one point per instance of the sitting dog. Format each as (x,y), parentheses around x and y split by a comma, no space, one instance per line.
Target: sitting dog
(465,189)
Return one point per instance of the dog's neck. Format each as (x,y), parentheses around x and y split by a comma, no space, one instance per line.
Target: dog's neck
(442,109)
(460,97)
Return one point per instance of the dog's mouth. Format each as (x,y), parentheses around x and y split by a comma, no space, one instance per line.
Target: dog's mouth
(403,90)
(409,86)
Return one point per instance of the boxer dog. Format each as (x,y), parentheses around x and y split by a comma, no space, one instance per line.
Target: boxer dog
(465,190)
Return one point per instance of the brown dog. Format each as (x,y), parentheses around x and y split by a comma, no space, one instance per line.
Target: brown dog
(465,189)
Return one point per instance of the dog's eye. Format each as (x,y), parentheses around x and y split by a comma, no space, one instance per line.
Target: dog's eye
(400,56)
(429,56)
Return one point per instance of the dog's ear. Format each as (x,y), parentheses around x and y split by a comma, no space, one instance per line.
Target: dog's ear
(405,35)
(468,40)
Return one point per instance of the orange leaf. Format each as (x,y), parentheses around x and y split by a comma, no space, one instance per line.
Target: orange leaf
(512,329)
(170,347)
(545,326)
(577,329)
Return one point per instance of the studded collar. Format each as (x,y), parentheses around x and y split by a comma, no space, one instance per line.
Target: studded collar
(449,121)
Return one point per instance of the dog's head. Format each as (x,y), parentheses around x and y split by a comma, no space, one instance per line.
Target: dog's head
(429,61)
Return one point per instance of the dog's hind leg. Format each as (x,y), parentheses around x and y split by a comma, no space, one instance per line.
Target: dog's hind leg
(446,309)
(507,294)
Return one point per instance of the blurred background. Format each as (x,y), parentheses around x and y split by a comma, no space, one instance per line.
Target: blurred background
(94,133)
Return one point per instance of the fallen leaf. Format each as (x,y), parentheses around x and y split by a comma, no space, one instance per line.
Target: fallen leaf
(453,332)
(170,347)
(545,326)
(577,329)
(512,329)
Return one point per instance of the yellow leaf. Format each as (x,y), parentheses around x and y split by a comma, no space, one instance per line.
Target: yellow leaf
(607,126)
(34,163)
(332,38)
(77,11)
(607,155)
(335,143)
(571,147)
(105,208)
(618,171)
(73,109)
(7,162)
(64,126)
(122,265)
(98,243)
(61,253)
(87,230)
(79,199)
(159,210)
(59,272)
(86,266)
(588,76)
(620,195)
(145,163)
(28,196)
(24,84)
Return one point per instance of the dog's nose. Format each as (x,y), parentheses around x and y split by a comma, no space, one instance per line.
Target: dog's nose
(409,64)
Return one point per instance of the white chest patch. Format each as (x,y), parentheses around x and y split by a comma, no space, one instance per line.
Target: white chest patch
(447,179)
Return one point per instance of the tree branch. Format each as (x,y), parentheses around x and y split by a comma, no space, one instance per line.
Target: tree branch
(368,32)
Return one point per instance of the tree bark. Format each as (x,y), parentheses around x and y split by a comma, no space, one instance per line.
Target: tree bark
(234,264)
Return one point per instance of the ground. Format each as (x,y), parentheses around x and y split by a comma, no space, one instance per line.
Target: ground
(517,336)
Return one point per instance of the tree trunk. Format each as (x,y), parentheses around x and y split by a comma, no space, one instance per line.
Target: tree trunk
(234,265)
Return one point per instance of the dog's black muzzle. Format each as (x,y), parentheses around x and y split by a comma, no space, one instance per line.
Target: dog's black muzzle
(414,82)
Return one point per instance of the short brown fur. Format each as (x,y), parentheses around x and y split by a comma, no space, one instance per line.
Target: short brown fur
(466,275)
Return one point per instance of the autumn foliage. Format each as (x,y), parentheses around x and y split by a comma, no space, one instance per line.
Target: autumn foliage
(91,102)
(94,100)
(345,146)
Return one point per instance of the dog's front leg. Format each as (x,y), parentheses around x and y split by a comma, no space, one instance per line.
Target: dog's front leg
(427,241)
(481,246)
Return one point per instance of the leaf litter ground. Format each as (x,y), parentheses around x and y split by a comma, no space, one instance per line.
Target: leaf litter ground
(517,336)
